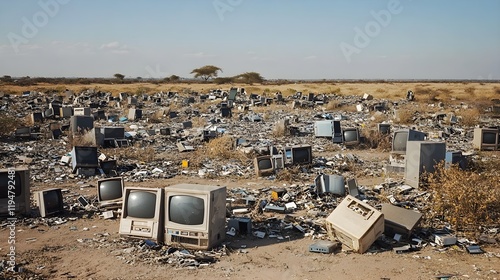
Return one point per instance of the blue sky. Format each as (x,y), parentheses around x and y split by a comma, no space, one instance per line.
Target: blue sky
(292,39)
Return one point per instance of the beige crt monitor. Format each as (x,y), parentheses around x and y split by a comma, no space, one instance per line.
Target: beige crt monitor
(195,215)
(356,224)
(142,213)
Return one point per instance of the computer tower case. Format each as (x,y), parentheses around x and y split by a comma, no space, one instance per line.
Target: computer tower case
(356,224)
(422,156)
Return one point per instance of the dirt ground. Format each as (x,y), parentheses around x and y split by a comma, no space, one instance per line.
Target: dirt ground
(70,251)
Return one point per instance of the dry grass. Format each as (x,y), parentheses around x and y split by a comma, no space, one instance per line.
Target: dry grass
(219,149)
(405,115)
(467,200)
(136,152)
(86,139)
(469,117)
(289,175)
(8,124)
(391,91)
(376,140)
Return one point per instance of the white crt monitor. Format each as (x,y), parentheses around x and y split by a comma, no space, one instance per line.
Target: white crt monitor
(195,215)
(142,213)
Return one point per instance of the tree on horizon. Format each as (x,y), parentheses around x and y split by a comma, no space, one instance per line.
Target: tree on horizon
(206,72)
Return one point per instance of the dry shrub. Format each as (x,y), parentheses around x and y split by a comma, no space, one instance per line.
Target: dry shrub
(405,115)
(289,174)
(378,118)
(199,121)
(8,124)
(376,140)
(333,105)
(469,117)
(279,130)
(86,139)
(136,152)
(218,149)
(467,200)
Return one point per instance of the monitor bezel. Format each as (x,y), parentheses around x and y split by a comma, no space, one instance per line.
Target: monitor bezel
(42,204)
(112,201)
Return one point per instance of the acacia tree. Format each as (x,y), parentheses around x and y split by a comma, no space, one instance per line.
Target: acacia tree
(206,72)
(119,76)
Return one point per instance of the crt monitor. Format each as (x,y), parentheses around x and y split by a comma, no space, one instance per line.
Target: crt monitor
(14,186)
(486,139)
(351,136)
(110,192)
(49,201)
(384,128)
(142,213)
(84,157)
(401,137)
(301,154)
(195,215)
(81,124)
(263,165)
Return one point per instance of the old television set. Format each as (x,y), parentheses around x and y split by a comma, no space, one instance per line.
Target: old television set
(401,137)
(110,192)
(14,182)
(195,215)
(84,157)
(485,139)
(299,154)
(142,213)
(351,136)
(80,124)
(49,202)
(263,165)
(384,128)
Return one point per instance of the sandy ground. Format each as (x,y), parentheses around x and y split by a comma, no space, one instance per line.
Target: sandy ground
(66,251)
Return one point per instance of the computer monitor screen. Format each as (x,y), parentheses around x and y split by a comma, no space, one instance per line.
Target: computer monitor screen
(84,157)
(53,201)
(141,204)
(186,210)
(301,154)
(350,135)
(399,141)
(489,137)
(110,189)
(50,202)
(384,128)
(265,163)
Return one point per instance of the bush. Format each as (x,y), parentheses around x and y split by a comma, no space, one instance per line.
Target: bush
(466,199)
(8,124)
